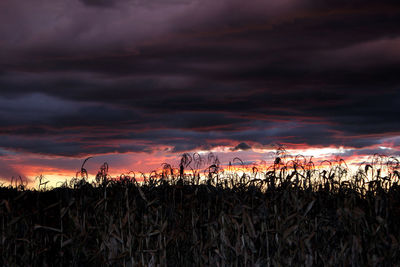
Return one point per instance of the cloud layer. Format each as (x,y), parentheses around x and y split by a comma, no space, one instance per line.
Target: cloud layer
(86,77)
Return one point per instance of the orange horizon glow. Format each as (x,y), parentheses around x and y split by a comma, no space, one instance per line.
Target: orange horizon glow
(261,158)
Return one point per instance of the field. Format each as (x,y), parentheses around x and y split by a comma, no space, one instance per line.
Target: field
(290,214)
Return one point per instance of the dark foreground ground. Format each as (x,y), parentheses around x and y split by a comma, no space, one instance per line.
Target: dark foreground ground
(182,224)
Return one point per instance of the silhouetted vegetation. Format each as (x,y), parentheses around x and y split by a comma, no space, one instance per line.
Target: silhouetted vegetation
(288,213)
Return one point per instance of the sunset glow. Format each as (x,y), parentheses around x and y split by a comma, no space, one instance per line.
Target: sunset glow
(58,170)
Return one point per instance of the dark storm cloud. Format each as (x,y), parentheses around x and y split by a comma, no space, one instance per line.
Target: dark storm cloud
(133,76)
(99,3)
(114,3)
(242,146)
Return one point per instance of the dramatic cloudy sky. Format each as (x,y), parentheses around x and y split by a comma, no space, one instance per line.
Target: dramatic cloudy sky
(139,82)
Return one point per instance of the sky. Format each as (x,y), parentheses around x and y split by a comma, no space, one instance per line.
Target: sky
(137,83)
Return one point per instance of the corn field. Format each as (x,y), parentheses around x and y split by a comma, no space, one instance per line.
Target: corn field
(290,214)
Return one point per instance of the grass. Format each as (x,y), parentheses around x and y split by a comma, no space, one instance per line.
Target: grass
(289,214)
